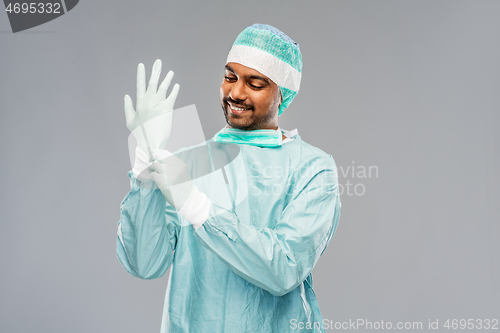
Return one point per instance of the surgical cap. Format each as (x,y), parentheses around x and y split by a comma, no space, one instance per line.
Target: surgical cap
(272,53)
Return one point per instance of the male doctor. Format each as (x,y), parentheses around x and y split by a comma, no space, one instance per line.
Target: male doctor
(244,236)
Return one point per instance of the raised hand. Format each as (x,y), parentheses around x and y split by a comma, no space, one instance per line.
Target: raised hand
(151,121)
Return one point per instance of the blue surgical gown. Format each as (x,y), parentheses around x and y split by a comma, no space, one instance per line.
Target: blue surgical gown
(248,267)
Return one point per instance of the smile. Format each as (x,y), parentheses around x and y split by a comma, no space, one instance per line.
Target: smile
(236,109)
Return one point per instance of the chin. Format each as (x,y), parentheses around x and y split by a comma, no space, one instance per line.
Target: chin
(239,125)
(237,122)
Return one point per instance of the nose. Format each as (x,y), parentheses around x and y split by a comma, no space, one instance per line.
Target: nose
(237,92)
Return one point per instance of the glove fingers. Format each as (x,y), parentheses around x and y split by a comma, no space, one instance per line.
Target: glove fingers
(157,178)
(162,91)
(141,81)
(157,167)
(173,95)
(129,111)
(161,155)
(155,76)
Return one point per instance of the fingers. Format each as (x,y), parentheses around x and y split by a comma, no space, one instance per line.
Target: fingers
(157,178)
(155,97)
(129,109)
(155,76)
(161,155)
(141,80)
(174,93)
(162,91)
(156,167)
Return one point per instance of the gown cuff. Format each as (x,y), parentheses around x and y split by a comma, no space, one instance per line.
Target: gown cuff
(196,208)
(141,164)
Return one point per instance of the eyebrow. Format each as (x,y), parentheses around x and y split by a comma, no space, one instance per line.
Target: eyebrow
(256,77)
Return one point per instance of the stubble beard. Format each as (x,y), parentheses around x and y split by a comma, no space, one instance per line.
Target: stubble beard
(251,124)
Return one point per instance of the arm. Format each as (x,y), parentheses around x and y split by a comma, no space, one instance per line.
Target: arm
(147,231)
(281,258)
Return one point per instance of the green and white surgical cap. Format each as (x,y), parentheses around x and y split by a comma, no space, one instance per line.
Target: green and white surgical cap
(272,53)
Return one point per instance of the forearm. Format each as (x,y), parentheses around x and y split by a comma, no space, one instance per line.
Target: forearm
(146,232)
(276,260)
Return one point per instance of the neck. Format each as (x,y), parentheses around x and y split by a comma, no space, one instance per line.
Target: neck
(256,129)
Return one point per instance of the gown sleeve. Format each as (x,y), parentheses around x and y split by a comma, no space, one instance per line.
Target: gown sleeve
(279,259)
(147,231)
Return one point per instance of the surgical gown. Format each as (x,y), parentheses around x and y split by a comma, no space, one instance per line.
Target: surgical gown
(248,267)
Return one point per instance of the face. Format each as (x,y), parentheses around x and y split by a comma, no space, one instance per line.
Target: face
(250,100)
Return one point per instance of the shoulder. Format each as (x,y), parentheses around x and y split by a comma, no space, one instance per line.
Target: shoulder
(314,170)
(306,155)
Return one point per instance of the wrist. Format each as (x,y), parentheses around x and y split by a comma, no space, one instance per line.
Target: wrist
(196,208)
(141,164)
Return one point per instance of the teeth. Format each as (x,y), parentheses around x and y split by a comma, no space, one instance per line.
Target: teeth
(237,109)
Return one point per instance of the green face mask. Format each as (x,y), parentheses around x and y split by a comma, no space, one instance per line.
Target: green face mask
(260,138)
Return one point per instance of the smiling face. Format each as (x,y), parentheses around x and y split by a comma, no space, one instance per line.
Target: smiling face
(249,99)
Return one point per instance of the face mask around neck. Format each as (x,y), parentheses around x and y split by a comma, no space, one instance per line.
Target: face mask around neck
(260,138)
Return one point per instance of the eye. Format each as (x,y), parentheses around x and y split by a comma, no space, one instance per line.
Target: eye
(255,87)
(229,79)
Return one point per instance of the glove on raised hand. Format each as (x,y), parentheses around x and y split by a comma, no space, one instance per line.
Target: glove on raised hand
(151,122)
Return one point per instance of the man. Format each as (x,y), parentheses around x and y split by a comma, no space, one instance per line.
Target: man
(243,237)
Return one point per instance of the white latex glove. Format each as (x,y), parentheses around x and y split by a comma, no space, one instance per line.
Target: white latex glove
(151,122)
(172,176)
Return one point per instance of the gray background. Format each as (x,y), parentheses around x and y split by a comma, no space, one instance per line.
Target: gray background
(411,87)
